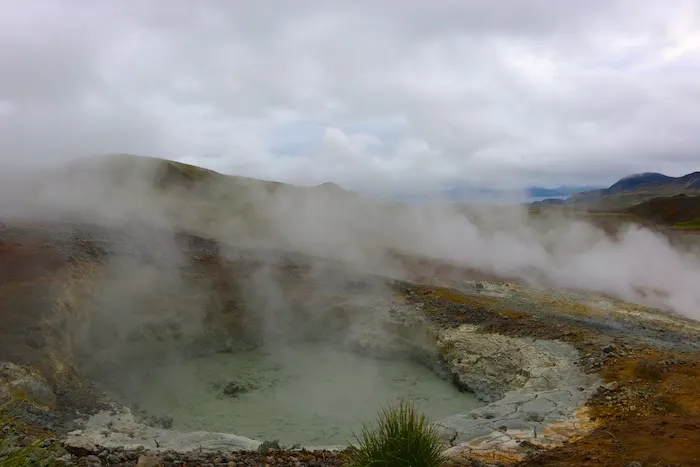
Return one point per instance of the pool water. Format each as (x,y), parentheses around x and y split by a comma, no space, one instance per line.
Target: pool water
(312,395)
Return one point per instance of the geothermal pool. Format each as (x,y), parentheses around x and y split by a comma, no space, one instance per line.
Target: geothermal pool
(306,394)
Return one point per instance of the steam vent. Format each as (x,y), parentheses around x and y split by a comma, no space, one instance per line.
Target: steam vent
(128,342)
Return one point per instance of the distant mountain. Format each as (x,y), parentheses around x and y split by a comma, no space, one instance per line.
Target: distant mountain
(563,190)
(634,181)
(638,188)
(549,202)
(471,193)
(468,192)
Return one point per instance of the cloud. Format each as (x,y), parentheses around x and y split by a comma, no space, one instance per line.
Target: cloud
(366,94)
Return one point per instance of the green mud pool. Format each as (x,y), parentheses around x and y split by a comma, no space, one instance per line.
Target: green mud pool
(312,395)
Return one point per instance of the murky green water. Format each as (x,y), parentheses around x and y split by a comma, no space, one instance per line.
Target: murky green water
(313,395)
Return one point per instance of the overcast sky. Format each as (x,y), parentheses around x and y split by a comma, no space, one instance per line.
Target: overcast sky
(399,93)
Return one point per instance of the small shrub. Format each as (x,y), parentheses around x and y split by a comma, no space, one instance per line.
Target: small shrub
(267,446)
(402,437)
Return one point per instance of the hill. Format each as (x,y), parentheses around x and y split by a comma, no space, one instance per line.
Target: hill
(678,211)
(634,181)
(638,188)
(549,202)
(561,191)
(123,188)
(162,175)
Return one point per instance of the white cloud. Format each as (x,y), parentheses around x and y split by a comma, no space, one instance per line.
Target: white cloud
(537,92)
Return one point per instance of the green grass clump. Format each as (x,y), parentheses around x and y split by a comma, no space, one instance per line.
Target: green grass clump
(25,456)
(402,437)
(14,453)
(692,224)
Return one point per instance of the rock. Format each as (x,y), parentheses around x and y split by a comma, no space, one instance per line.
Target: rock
(234,388)
(65,460)
(33,389)
(80,448)
(490,365)
(447,434)
(165,421)
(93,461)
(148,461)
(47,442)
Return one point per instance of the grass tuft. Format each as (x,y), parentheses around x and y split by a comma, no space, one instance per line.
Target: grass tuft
(402,437)
(691,224)
(15,452)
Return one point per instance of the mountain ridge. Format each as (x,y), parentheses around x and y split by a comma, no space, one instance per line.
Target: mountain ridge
(637,188)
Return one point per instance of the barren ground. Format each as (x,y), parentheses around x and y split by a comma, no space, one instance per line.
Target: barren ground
(649,414)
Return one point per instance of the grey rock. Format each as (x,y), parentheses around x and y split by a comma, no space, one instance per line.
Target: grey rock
(19,382)
(93,461)
(517,425)
(447,434)
(148,461)
(539,405)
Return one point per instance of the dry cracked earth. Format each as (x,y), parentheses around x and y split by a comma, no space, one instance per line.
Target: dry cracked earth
(627,375)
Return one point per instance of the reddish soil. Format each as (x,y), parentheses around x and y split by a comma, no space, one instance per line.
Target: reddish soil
(652,417)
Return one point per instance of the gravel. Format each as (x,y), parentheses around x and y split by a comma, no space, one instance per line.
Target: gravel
(52,452)
(143,458)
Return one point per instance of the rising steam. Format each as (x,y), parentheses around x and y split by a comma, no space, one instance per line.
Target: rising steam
(636,264)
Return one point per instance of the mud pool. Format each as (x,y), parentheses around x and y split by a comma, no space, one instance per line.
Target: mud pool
(310,395)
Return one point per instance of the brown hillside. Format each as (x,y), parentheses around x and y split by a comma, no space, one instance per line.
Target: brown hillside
(667,210)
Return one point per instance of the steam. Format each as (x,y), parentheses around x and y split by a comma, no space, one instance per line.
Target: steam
(284,258)
(636,264)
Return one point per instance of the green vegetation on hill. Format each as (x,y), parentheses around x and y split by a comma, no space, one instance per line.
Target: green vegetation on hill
(21,446)
(691,224)
(669,211)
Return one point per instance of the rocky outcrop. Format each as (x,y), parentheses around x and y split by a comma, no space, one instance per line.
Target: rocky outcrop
(19,383)
(535,389)
(491,365)
(119,427)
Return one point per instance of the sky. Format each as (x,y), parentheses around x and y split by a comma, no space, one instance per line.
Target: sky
(375,95)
